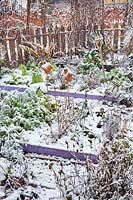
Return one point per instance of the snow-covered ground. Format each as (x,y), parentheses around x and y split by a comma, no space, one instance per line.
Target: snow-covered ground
(82,134)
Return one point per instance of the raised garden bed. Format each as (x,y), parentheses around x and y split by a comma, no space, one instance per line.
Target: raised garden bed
(61,130)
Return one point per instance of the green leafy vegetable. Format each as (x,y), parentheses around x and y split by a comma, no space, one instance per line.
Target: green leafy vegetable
(24,70)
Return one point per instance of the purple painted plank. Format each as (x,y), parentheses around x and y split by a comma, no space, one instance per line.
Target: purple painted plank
(63,94)
(28,148)
(81,96)
(10,88)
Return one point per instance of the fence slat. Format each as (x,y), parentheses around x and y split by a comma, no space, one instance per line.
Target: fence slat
(44,37)
(57,40)
(25,54)
(19,51)
(83,35)
(62,39)
(31,33)
(38,33)
(65,41)
(50,36)
(116,35)
(4,43)
(12,45)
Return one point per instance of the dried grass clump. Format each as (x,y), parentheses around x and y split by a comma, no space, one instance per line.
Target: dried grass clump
(37,50)
(67,117)
(113,175)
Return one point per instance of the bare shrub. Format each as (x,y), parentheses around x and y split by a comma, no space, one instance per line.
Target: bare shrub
(112,178)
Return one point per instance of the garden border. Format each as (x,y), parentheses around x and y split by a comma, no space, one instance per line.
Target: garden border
(28,148)
(64,94)
(66,154)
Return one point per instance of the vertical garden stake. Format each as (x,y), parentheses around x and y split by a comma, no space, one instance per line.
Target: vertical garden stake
(68,78)
(47,67)
(99,47)
(58,121)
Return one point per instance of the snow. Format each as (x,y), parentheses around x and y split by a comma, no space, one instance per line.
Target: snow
(4,164)
(40,135)
(41,181)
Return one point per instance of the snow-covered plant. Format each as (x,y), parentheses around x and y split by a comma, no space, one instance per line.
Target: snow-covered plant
(11,150)
(91,61)
(115,80)
(36,76)
(17,80)
(24,70)
(13,168)
(67,118)
(111,124)
(2,94)
(31,63)
(111,178)
(23,111)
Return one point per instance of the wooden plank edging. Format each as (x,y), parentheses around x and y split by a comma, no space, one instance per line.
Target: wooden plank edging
(11,88)
(63,94)
(48,151)
(81,96)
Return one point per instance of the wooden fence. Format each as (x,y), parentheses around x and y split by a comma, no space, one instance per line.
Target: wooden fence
(65,41)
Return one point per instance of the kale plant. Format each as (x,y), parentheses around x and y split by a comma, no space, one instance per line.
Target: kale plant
(115,80)
(91,61)
(23,111)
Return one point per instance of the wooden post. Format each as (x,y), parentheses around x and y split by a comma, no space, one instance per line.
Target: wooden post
(19,51)
(102,27)
(44,35)
(62,39)
(75,12)
(4,43)
(38,33)
(116,35)
(28,13)
(57,39)
(12,46)
(83,34)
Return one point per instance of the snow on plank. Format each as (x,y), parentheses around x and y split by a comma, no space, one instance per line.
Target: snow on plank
(11,88)
(46,151)
(81,96)
(63,94)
